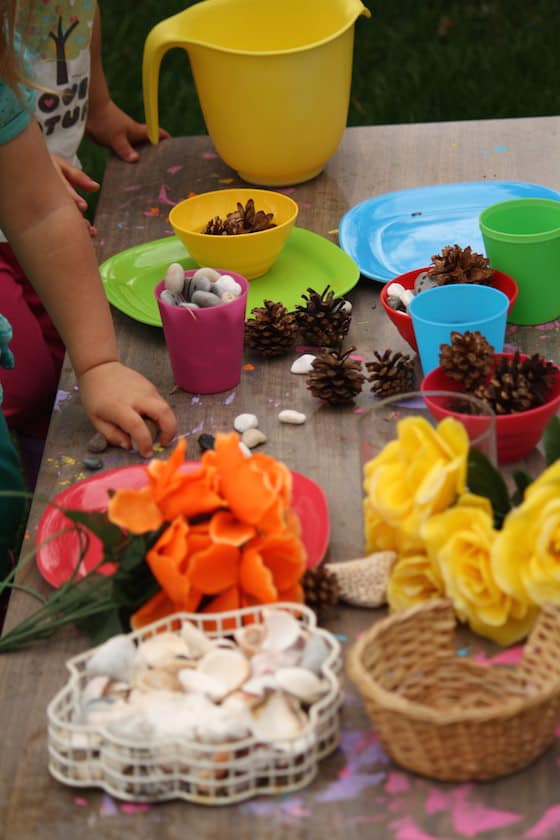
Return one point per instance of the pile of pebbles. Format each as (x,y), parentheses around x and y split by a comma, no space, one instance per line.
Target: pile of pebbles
(201,289)
(398,297)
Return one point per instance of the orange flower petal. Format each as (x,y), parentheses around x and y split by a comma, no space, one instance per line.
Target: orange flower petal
(225,601)
(286,558)
(294,593)
(274,520)
(243,485)
(226,528)
(134,510)
(158,606)
(168,558)
(214,569)
(256,579)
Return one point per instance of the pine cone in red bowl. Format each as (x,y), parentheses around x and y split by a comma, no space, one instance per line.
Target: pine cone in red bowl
(518,432)
(402,320)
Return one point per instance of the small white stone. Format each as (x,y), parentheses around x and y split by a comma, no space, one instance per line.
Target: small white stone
(303,364)
(347,307)
(245,421)
(407,296)
(210,273)
(395,290)
(253,437)
(245,449)
(296,418)
(175,278)
(228,284)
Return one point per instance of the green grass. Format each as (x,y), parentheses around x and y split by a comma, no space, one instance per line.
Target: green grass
(413,62)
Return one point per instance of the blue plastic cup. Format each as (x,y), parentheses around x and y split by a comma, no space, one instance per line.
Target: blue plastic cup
(462,307)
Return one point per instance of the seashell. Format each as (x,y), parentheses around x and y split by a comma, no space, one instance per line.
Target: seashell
(210,273)
(277,717)
(159,649)
(250,638)
(114,658)
(224,723)
(174,715)
(171,298)
(205,299)
(363,582)
(100,710)
(303,364)
(315,654)
(261,684)
(228,284)
(407,296)
(175,278)
(157,679)
(395,290)
(133,727)
(282,630)
(267,662)
(197,642)
(95,688)
(302,683)
(201,683)
(229,667)
(346,307)
(245,421)
(291,416)
(253,437)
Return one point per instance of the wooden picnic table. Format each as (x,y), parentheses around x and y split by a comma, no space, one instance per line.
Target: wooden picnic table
(358,792)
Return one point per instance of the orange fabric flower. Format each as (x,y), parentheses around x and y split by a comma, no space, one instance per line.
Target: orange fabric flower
(135,510)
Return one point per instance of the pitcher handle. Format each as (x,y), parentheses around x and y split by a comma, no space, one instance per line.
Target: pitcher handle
(162,38)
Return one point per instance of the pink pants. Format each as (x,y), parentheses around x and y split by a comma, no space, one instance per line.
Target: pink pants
(30,387)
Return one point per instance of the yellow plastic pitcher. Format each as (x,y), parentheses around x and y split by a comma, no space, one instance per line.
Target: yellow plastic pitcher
(272,76)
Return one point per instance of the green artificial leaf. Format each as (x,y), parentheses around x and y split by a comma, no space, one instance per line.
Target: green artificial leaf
(109,534)
(551,441)
(101,626)
(522,481)
(485,480)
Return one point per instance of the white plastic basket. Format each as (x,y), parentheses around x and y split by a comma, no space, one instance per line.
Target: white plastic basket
(211,774)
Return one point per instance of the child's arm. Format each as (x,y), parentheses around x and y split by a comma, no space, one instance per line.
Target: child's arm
(50,239)
(106,123)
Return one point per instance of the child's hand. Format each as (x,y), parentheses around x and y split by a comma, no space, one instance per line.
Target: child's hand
(111,127)
(116,398)
(74,178)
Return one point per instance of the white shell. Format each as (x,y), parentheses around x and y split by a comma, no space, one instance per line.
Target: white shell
(159,649)
(245,421)
(197,642)
(201,683)
(288,415)
(282,630)
(260,684)
(228,284)
(253,437)
(227,297)
(210,273)
(175,278)
(304,364)
(250,638)
(229,667)
(314,654)
(276,718)
(114,658)
(302,683)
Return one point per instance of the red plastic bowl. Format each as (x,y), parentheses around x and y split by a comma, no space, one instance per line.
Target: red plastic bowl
(516,434)
(402,320)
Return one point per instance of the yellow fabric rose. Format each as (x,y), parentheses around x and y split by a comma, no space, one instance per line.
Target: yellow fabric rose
(419,474)
(526,554)
(459,541)
(415,578)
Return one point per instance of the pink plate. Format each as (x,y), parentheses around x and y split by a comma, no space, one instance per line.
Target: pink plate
(56,555)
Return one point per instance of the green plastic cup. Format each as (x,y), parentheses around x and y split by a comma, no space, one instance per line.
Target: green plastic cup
(522,238)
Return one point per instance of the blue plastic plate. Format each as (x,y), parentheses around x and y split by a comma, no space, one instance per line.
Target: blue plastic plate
(399,231)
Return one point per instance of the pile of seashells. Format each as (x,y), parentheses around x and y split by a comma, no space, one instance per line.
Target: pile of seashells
(199,289)
(220,718)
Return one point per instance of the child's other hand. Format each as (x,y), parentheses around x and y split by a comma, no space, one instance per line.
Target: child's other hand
(73,179)
(116,398)
(111,127)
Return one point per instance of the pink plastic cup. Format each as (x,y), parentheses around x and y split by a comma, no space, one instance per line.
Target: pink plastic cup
(205,345)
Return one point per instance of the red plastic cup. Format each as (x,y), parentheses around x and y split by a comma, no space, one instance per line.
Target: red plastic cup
(205,345)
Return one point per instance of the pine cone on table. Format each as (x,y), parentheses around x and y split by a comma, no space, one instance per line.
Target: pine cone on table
(245,219)
(335,378)
(324,320)
(391,373)
(468,359)
(272,331)
(517,385)
(460,265)
(320,588)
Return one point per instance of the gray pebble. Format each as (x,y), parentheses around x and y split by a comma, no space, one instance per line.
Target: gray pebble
(205,299)
(98,443)
(395,303)
(92,462)
(424,281)
(199,283)
(171,298)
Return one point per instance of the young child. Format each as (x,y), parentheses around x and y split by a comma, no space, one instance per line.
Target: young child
(54,248)
(63,53)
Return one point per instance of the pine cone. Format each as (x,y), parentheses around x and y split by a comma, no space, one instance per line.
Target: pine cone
(391,373)
(324,320)
(335,378)
(468,359)
(458,265)
(517,385)
(272,331)
(243,220)
(320,588)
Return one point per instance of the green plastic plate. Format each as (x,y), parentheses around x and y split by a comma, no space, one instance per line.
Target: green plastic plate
(308,260)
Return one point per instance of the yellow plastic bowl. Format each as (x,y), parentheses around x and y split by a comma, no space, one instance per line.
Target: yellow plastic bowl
(249,254)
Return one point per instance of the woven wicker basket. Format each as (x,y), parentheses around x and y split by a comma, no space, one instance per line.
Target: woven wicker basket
(445,716)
